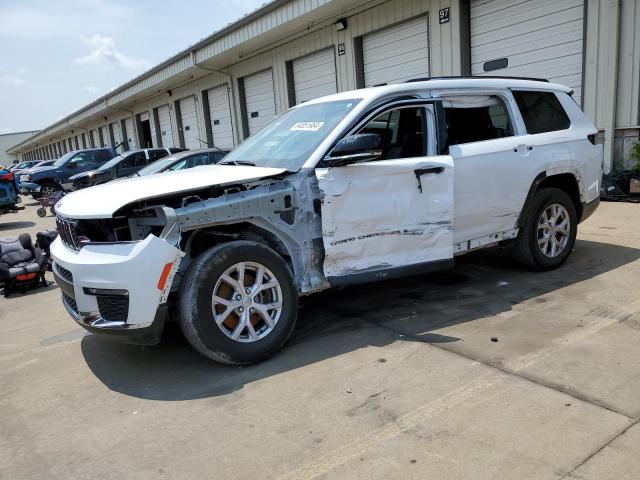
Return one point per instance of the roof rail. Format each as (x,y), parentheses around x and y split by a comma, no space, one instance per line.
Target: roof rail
(505,77)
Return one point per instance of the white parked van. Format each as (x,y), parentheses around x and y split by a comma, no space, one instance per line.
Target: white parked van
(350,188)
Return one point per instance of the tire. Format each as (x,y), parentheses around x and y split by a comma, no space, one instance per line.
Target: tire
(42,212)
(52,209)
(531,244)
(47,188)
(212,336)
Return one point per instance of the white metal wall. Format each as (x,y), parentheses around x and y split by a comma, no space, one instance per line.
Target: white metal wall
(539,38)
(260,101)
(396,53)
(220,113)
(314,75)
(190,123)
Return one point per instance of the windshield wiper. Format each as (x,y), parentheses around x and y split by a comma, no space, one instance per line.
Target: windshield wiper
(238,162)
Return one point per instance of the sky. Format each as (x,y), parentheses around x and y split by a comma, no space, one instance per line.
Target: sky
(57,56)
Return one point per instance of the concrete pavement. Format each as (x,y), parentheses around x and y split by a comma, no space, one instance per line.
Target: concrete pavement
(486,371)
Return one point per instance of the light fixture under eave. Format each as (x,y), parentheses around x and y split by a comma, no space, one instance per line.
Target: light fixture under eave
(341,24)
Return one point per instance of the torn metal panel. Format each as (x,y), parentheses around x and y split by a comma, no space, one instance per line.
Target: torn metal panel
(285,209)
(386,214)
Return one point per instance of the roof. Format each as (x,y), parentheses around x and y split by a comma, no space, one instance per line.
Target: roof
(478,83)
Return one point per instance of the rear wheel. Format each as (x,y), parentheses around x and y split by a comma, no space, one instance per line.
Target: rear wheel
(238,303)
(548,232)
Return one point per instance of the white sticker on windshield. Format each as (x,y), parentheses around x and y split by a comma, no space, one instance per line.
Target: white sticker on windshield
(307,126)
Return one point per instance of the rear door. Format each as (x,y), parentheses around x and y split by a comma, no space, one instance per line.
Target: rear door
(410,229)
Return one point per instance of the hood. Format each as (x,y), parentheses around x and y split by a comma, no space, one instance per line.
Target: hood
(41,169)
(90,173)
(102,201)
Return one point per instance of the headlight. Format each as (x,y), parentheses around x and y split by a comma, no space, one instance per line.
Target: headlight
(25,178)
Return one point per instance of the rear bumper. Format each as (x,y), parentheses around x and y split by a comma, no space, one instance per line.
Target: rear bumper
(589,208)
(113,290)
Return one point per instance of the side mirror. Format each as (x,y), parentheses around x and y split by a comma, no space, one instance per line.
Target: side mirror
(360,147)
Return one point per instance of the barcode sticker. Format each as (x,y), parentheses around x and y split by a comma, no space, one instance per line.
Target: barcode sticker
(307,126)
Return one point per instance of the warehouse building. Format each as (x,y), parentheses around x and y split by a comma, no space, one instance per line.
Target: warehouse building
(230,84)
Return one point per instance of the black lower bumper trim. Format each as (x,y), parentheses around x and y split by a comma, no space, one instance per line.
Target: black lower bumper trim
(588,209)
(136,336)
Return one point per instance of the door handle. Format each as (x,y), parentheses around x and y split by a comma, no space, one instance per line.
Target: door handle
(423,171)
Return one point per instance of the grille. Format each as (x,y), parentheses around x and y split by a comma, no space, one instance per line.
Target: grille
(71,302)
(64,273)
(114,308)
(67,232)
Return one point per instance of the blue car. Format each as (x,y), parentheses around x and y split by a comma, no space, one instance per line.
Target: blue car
(8,194)
(47,180)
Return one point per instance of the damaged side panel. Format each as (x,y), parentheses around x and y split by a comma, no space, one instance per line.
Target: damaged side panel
(386,215)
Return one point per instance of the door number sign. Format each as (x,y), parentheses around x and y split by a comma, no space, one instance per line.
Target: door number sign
(443,15)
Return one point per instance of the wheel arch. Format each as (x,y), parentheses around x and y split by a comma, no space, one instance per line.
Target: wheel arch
(565,181)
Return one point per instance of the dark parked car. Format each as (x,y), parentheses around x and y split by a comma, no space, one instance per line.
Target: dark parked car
(46,180)
(181,161)
(121,166)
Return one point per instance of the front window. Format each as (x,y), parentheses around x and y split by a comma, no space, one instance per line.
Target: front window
(62,160)
(289,140)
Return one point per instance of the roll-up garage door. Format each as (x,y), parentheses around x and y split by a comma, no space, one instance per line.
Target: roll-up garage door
(103,137)
(164,121)
(189,123)
(117,136)
(397,53)
(260,101)
(131,138)
(220,113)
(529,38)
(314,75)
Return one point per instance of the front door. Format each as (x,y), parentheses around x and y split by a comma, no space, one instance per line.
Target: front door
(393,216)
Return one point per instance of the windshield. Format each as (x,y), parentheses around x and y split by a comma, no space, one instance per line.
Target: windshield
(289,140)
(156,166)
(112,162)
(63,159)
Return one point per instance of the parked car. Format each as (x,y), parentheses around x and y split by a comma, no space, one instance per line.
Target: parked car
(9,198)
(355,187)
(24,165)
(123,165)
(28,169)
(184,160)
(46,180)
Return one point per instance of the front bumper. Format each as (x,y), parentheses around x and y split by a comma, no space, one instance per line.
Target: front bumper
(113,290)
(29,188)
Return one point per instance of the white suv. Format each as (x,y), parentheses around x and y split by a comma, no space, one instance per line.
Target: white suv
(350,188)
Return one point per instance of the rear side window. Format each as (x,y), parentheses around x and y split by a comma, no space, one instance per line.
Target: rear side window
(541,112)
(476,118)
(157,154)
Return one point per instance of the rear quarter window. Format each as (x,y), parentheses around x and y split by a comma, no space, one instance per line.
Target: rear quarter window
(541,112)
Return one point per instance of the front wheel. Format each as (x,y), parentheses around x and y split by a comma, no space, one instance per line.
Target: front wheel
(48,188)
(237,303)
(548,231)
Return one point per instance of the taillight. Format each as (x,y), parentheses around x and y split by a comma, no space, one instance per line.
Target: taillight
(592,138)
(7,176)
